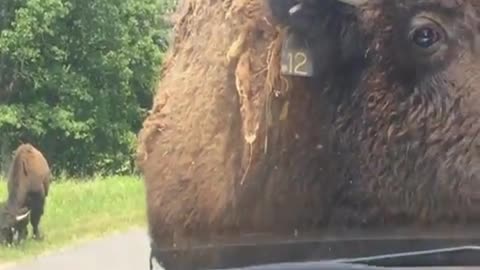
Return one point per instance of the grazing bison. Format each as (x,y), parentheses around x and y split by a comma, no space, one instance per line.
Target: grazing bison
(384,131)
(28,185)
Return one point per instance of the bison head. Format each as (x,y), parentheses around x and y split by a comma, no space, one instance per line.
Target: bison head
(9,222)
(404,79)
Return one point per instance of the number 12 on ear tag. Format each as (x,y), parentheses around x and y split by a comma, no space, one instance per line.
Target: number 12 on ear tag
(296,59)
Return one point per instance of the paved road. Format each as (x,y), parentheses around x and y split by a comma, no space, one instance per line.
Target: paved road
(127,251)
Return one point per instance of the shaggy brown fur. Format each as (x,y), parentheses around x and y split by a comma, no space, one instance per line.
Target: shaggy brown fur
(28,184)
(195,152)
(407,121)
(385,133)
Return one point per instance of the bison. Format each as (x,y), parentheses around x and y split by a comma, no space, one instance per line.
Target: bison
(383,131)
(28,187)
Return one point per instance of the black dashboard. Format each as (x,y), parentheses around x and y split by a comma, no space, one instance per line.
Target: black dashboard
(466,257)
(441,249)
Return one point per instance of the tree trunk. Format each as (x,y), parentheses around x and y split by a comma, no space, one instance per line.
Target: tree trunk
(229,147)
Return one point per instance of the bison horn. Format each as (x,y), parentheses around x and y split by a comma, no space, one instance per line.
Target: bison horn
(21,217)
(295,8)
(354,2)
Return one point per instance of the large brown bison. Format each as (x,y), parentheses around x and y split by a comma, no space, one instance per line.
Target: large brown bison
(383,130)
(28,187)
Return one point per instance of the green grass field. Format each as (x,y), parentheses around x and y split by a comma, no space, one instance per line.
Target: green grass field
(81,210)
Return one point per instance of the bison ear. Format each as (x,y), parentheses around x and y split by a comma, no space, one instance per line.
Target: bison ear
(302,16)
(323,31)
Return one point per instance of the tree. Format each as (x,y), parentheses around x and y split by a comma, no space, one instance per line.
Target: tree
(77,78)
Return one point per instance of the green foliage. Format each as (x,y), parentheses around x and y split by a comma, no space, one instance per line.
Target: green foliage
(77,77)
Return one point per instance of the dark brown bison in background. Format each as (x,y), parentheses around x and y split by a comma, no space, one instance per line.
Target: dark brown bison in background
(28,186)
(385,132)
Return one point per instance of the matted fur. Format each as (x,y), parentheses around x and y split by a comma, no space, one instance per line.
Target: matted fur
(208,162)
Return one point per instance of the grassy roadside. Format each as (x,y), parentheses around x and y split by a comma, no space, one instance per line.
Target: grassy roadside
(80,210)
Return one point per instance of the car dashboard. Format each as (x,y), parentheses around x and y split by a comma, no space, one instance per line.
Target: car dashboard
(389,249)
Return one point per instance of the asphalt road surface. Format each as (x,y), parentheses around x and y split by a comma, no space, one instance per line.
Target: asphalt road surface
(126,251)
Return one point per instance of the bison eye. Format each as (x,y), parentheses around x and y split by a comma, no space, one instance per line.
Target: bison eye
(425,37)
(426,34)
